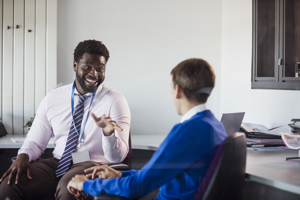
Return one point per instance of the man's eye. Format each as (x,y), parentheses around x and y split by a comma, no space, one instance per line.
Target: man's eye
(87,67)
(99,69)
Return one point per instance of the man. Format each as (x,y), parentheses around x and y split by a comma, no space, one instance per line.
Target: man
(181,162)
(80,141)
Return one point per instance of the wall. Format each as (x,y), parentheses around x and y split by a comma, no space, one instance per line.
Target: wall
(146,39)
(268,107)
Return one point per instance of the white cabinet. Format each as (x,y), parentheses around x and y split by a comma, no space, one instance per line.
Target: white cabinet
(28,58)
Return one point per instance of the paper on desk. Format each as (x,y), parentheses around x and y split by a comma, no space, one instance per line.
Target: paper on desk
(286,130)
(258,128)
(263,141)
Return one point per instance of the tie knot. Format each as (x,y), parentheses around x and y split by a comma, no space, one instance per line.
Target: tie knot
(82,98)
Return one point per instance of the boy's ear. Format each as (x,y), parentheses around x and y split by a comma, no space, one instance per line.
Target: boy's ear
(178,92)
(74,66)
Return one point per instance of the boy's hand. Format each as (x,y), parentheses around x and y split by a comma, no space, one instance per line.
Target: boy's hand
(102,172)
(75,185)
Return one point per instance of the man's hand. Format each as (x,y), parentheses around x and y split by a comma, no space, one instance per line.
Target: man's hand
(102,172)
(75,185)
(20,165)
(107,124)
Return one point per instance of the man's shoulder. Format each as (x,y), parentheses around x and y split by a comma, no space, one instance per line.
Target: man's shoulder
(63,90)
(110,92)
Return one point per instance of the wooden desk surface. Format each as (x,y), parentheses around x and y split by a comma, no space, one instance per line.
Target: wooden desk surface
(269,167)
(145,142)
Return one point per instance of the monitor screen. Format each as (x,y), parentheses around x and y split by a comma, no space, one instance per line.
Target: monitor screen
(232,122)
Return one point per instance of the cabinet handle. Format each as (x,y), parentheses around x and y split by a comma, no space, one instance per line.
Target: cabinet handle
(17,26)
(8,27)
(280,61)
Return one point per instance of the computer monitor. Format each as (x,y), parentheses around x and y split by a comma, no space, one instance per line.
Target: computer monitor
(232,122)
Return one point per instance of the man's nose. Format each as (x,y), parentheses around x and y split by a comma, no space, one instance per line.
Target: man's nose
(93,73)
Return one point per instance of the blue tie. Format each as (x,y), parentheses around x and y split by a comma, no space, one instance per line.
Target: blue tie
(66,158)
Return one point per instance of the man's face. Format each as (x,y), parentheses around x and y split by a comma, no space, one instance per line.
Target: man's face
(90,72)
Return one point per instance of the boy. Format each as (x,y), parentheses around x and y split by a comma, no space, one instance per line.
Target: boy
(180,163)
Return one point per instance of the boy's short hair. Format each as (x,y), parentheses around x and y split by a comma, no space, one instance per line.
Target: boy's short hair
(92,47)
(191,75)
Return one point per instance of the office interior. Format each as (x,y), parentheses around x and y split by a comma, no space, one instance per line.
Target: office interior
(146,39)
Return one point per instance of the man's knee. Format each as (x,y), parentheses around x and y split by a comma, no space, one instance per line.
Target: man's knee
(10,191)
(62,191)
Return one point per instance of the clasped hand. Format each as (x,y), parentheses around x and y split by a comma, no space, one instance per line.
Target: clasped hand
(75,185)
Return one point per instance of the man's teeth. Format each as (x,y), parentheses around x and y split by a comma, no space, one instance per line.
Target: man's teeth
(91,81)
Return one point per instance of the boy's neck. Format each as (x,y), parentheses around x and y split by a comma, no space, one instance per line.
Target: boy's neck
(187,105)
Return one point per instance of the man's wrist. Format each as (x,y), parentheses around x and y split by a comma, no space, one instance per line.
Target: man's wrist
(23,155)
(108,133)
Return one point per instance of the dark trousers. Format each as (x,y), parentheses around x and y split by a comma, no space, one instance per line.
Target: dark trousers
(44,183)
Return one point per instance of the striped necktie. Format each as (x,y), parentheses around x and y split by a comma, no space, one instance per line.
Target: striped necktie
(72,140)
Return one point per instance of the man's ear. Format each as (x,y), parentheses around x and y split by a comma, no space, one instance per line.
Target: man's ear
(75,66)
(178,91)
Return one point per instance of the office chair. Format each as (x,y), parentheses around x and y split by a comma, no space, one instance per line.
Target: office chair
(225,176)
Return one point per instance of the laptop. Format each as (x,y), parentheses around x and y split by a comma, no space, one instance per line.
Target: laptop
(232,122)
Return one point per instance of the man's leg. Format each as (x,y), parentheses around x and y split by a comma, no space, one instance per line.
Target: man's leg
(62,192)
(42,185)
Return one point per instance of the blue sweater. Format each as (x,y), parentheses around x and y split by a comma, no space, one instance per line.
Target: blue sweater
(177,167)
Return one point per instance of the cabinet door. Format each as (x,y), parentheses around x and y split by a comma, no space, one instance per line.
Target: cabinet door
(265,38)
(291,38)
(7,67)
(18,66)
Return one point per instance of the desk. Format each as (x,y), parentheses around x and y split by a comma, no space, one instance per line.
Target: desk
(269,167)
(143,142)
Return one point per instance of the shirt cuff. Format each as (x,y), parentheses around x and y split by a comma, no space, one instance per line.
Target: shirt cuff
(28,152)
(128,172)
(109,141)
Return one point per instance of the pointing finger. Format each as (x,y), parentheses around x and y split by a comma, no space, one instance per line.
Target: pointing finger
(95,117)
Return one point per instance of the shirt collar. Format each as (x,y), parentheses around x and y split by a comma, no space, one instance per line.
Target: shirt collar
(193,111)
(76,93)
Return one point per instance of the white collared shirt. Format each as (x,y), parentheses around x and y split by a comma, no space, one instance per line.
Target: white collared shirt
(54,115)
(193,111)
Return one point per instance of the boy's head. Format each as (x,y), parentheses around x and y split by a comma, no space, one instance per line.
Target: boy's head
(195,78)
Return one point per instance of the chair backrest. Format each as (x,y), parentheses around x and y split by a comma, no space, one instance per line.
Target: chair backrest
(226,174)
(127,160)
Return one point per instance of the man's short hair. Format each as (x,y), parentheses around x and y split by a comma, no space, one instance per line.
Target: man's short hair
(92,47)
(191,75)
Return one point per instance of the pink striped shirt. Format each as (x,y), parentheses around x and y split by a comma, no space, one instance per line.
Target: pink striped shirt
(54,116)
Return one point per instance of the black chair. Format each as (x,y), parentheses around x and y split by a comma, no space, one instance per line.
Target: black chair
(226,174)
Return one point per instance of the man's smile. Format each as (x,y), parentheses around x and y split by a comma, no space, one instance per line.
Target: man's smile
(91,82)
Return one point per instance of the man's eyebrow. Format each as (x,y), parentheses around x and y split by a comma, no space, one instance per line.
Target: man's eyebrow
(92,63)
